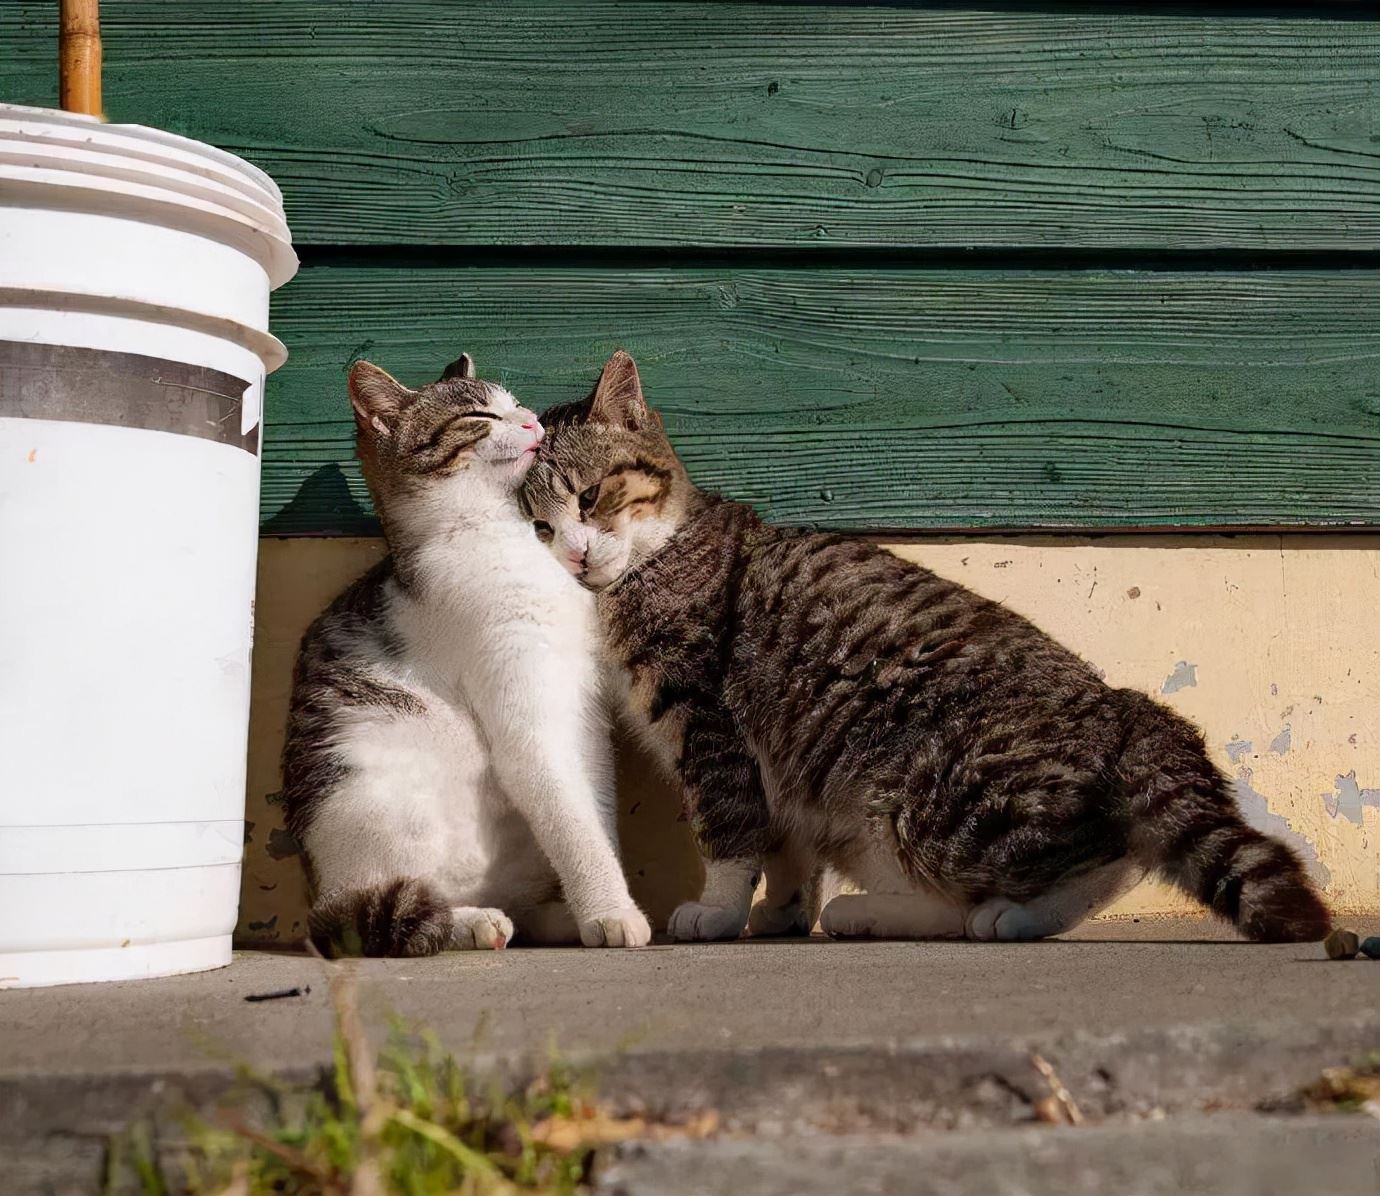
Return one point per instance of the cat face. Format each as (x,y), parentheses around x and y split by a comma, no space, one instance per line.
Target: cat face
(607,489)
(458,430)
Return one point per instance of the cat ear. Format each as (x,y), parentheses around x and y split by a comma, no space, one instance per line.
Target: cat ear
(377,397)
(618,397)
(461,367)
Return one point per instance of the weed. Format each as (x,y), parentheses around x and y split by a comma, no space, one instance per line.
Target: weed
(1347,1089)
(407,1122)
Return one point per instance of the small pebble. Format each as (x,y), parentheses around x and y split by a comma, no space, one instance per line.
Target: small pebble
(1371,947)
(1342,944)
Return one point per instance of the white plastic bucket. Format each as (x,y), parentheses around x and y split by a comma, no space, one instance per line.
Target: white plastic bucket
(135,269)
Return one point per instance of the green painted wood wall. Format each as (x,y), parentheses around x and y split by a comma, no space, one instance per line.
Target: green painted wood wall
(904,266)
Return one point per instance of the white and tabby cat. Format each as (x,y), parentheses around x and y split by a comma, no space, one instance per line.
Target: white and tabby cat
(447,766)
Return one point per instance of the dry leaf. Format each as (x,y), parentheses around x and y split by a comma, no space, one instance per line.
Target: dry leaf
(593,1127)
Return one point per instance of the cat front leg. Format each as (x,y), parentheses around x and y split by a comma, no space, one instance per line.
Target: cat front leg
(732,825)
(786,907)
(549,788)
(539,731)
(722,910)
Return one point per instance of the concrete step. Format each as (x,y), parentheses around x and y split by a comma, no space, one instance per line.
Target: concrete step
(831,1043)
(1222,1155)
(953,1083)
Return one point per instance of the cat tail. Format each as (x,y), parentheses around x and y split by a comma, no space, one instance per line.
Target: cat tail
(1186,826)
(402,917)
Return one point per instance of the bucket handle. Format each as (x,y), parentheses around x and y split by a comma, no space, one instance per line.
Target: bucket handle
(79,56)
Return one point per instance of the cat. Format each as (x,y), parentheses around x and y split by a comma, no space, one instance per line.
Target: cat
(447,765)
(824,703)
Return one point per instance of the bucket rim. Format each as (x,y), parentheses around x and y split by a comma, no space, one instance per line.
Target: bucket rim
(145,134)
(125,165)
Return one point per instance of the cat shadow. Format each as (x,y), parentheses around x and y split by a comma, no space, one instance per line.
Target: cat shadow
(323,506)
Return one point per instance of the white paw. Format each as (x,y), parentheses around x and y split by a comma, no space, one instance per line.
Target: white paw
(766,920)
(479,929)
(693,922)
(618,928)
(848,916)
(982,921)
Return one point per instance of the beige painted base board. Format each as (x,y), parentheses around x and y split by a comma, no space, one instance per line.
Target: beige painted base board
(1269,643)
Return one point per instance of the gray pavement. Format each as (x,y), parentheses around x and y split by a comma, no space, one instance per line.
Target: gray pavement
(782,1039)
(745,995)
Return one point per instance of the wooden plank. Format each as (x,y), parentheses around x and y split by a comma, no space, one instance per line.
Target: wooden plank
(889,399)
(764,124)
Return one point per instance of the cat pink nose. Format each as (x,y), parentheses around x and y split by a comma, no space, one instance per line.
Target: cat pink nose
(528,427)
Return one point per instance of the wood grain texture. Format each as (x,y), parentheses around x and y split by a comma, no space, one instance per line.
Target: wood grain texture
(874,399)
(765,124)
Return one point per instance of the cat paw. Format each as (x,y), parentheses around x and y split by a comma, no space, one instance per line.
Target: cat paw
(1019,925)
(479,929)
(768,921)
(1001,921)
(849,916)
(693,922)
(619,928)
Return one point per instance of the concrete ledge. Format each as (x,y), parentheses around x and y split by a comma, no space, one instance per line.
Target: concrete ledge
(1224,1155)
(836,1036)
(844,1066)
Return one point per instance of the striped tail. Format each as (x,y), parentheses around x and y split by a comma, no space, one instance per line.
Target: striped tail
(403,917)
(1186,826)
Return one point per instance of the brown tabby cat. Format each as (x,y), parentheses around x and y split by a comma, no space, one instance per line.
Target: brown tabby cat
(822,701)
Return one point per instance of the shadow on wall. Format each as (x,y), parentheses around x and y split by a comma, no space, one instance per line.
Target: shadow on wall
(297,578)
(325,504)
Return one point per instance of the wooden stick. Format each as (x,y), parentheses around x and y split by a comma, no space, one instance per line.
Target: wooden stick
(79,57)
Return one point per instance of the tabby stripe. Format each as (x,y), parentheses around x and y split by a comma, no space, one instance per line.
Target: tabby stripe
(462,444)
(642,465)
(607,512)
(440,433)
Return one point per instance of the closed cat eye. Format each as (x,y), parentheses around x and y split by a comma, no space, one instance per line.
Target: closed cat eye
(588,498)
(545,532)
(481,415)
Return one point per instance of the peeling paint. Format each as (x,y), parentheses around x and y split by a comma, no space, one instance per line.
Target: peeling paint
(1280,743)
(1236,748)
(1257,813)
(248,831)
(271,924)
(1349,798)
(1133,592)
(281,845)
(1184,676)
